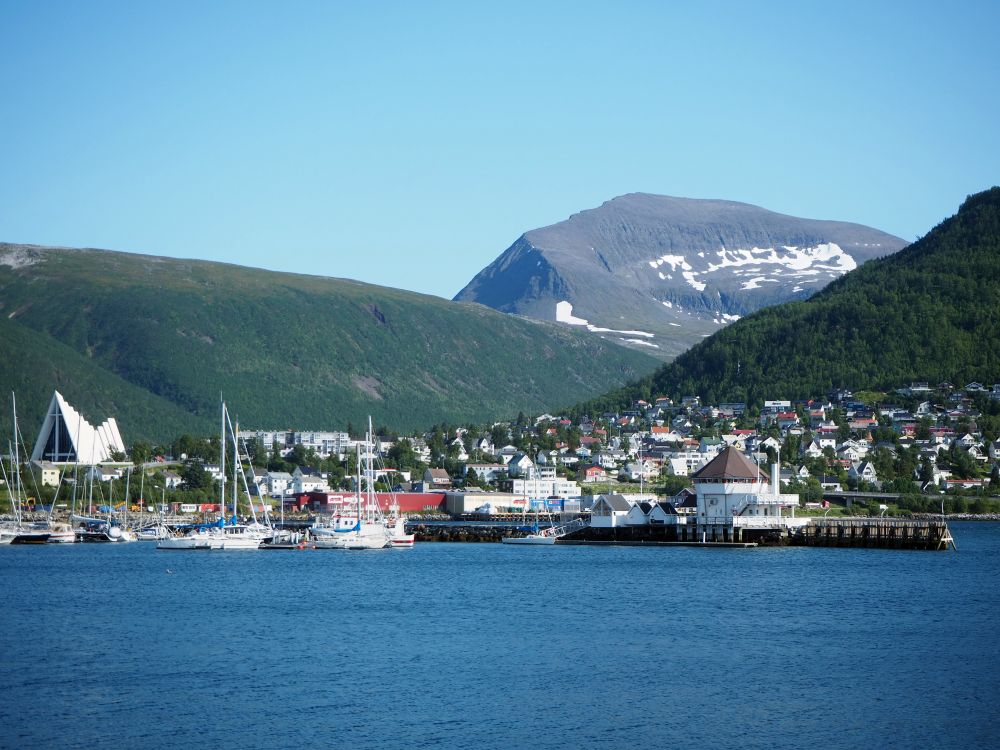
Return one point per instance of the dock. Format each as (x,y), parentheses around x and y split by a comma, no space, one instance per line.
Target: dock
(883,533)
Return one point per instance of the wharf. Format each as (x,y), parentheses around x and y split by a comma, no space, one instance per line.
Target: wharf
(654,543)
(883,533)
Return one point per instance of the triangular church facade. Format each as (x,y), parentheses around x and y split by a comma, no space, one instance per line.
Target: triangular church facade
(67,438)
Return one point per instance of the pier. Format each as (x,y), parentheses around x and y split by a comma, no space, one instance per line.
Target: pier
(876,533)
(883,533)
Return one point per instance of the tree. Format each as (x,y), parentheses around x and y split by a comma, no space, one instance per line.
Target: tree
(194,476)
(141,452)
(927,470)
(401,455)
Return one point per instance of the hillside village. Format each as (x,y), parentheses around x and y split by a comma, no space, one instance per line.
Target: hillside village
(920,440)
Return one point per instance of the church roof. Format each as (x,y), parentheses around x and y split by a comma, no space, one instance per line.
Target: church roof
(66,437)
(730,464)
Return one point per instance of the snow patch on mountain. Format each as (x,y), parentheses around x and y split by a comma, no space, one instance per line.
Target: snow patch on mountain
(564,314)
(641,343)
(827,256)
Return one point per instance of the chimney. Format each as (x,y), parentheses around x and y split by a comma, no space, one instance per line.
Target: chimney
(776,478)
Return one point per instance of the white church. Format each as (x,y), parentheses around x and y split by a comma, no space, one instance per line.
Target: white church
(67,438)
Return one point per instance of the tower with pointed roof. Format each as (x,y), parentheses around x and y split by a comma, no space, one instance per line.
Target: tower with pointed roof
(733,494)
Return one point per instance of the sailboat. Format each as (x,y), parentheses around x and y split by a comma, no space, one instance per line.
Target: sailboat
(536,535)
(224,535)
(368,529)
(19,532)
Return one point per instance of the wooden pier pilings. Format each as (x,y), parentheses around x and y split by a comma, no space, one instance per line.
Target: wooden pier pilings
(883,533)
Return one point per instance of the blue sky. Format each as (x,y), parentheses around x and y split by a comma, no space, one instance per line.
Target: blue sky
(408,144)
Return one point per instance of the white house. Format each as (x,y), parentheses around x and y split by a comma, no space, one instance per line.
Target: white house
(663,513)
(485,472)
(638,514)
(278,483)
(609,511)
(813,450)
(863,471)
(520,465)
(644,469)
(306,479)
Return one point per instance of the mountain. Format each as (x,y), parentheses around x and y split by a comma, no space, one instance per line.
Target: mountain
(927,313)
(662,273)
(153,341)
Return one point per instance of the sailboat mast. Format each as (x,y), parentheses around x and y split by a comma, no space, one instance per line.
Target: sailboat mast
(358,471)
(17,460)
(222,461)
(236,465)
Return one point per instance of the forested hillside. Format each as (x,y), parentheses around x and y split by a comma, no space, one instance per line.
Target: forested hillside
(155,341)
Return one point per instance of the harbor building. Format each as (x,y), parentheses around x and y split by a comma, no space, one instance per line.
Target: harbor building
(735,497)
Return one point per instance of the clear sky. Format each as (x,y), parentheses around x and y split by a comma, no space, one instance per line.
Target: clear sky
(409,143)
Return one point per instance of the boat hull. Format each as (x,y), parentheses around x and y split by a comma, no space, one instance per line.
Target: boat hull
(184,542)
(530,539)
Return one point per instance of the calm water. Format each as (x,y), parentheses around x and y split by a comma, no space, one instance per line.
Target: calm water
(458,646)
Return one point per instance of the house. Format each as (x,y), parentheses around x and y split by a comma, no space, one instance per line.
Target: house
(507,453)
(459,449)
(609,511)
(772,443)
(641,470)
(306,479)
(663,513)
(278,483)
(172,480)
(864,472)
(685,501)
(710,446)
(813,450)
(436,479)
(520,465)
(850,453)
(488,473)
(638,515)
(830,484)
(102,473)
(593,473)
(46,472)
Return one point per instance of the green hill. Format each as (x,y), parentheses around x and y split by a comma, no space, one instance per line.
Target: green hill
(930,312)
(153,341)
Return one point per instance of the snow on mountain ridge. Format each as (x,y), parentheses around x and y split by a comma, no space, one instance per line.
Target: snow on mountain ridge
(826,257)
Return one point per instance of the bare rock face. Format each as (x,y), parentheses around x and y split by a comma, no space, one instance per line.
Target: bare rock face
(661,273)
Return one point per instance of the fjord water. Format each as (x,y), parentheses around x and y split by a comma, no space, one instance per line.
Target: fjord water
(480,645)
